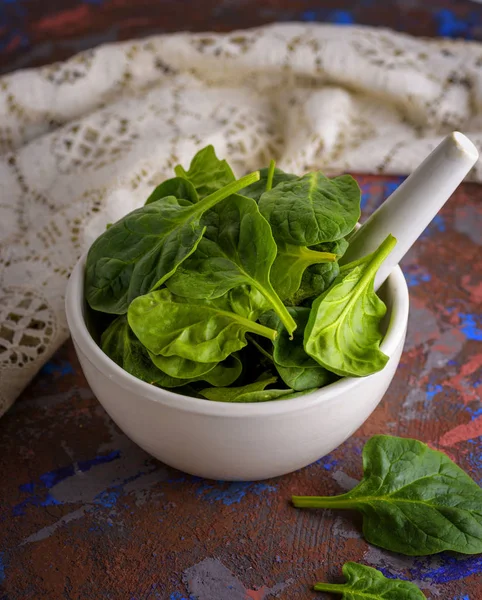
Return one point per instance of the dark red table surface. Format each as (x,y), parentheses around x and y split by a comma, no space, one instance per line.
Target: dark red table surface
(85,514)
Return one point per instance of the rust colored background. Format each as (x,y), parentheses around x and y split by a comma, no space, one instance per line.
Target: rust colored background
(85,514)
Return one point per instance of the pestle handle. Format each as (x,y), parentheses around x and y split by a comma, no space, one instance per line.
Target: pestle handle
(408,211)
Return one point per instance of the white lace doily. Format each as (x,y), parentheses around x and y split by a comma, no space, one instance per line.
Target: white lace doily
(84,141)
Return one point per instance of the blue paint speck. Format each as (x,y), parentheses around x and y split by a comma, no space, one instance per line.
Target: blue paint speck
(232,493)
(327,462)
(308,15)
(437,225)
(450,569)
(53,368)
(179,596)
(3,565)
(341,17)
(450,26)
(432,390)
(108,499)
(470,327)
(51,478)
(416,278)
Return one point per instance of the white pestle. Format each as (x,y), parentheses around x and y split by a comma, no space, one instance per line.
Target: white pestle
(408,211)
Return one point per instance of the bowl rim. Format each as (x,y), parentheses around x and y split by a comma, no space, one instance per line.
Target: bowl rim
(108,368)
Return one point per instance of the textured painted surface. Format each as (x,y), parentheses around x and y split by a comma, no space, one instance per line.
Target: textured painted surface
(36,32)
(85,514)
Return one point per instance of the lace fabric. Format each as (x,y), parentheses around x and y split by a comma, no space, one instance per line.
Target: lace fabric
(84,141)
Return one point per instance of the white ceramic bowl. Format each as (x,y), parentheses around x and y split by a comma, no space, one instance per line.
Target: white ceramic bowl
(236,441)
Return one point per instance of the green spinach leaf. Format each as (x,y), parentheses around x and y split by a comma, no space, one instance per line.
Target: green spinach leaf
(318,277)
(290,264)
(207,173)
(312,209)
(139,252)
(181,368)
(303,379)
(255,190)
(296,368)
(414,500)
(366,583)
(194,329)
(343,331)
(248,301)
(253,392)
(122,346)
(179,187)
(217,374)
(237,249)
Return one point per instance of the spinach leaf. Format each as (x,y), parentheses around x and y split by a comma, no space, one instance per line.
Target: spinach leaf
(182,368)
(366,583)
(237,249)
(139,252)
(318,277)
(247,301)
(194,329)
(179,187)
(207,173)
(218,374)
(296,368)
(121,345)
(253,392)
(414,500)
(312,209)
(255,190)
(338,247)
(290,264)
(226,372)
(302,379)
(315,280)
(343,331)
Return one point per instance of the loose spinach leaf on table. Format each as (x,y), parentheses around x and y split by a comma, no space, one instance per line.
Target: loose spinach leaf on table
(253,392)
(312,209)
(237,249)
(296,368)
(290,264)
(343,331)
(139,252)
(179,187)
(122,346)
(207,173)
(366,583)
(199,330)
(255,190)
(414,500)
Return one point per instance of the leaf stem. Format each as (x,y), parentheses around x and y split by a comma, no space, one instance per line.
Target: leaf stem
(280,309)
(269,179)
(355,263)
(233,187)
(262,330)
(341,502)
(318,257)
(336,588)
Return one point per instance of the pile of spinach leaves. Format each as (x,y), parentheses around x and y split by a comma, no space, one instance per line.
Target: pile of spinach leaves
(230,289)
